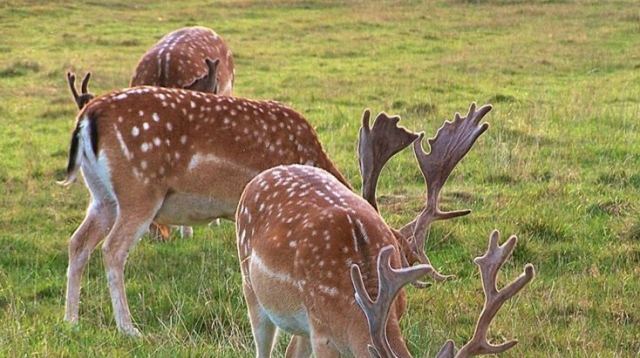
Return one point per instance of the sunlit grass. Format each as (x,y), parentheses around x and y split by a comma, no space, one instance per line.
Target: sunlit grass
(558,167)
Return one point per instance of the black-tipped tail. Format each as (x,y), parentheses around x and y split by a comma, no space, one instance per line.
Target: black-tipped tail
(75,154)
(72,165)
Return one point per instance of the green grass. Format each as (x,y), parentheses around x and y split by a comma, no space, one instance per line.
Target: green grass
(560,165)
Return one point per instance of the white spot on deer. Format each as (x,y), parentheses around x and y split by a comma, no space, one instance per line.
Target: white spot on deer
(331,291)
(121,96)
(144,147)
(143,164)
(183,139)
(135,131)
(169,126)
(123,145)
(211,160)
(145,126)
(242,236)
(257,263)
(293,243)
(157,141)
(156,117)
(193,104)
(141,113)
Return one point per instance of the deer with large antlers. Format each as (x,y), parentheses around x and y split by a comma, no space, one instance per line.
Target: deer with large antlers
(194,58)
(175,156)
(391,281)
(305,214)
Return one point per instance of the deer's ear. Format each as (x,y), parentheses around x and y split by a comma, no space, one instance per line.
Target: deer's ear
(208,82)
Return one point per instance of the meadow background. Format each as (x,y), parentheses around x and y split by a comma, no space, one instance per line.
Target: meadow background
(559,165)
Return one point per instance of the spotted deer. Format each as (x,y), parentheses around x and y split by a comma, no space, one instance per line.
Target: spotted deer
(300,231)
(175,156)
(391,281)
(194,58)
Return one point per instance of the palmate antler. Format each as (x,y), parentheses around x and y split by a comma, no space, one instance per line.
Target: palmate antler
(451,143)
(390,282)
(85,97)
(376,145)
(489,265)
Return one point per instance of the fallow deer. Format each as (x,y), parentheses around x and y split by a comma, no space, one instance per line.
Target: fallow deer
(299,231)
(175,156)
(187,58)
(194,58)
(391,281)
(157,231)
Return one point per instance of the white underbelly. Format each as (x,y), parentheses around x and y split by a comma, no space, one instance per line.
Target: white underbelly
(297,323)
(191,209)
(278,296)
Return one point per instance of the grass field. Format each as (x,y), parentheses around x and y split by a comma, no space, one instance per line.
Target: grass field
(559,165)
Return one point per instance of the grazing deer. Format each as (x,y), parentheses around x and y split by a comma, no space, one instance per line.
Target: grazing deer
(322,228)
(391,281)
(157,231)
(175,156)
(194,58)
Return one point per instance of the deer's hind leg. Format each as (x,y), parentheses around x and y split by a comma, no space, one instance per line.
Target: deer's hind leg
(136,212)
(263,329)
(95,226)
(299,347)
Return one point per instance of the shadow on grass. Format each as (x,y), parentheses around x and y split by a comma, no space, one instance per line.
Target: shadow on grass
(20,68)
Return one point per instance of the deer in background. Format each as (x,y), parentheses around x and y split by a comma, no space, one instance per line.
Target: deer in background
(307,215)
(194,58)
(175,156)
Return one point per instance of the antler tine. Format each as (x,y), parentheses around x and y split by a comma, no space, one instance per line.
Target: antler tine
(451,143)
(390,281)
(376,145)
(71,79)
(85,83)
(489,265)
(85,97)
